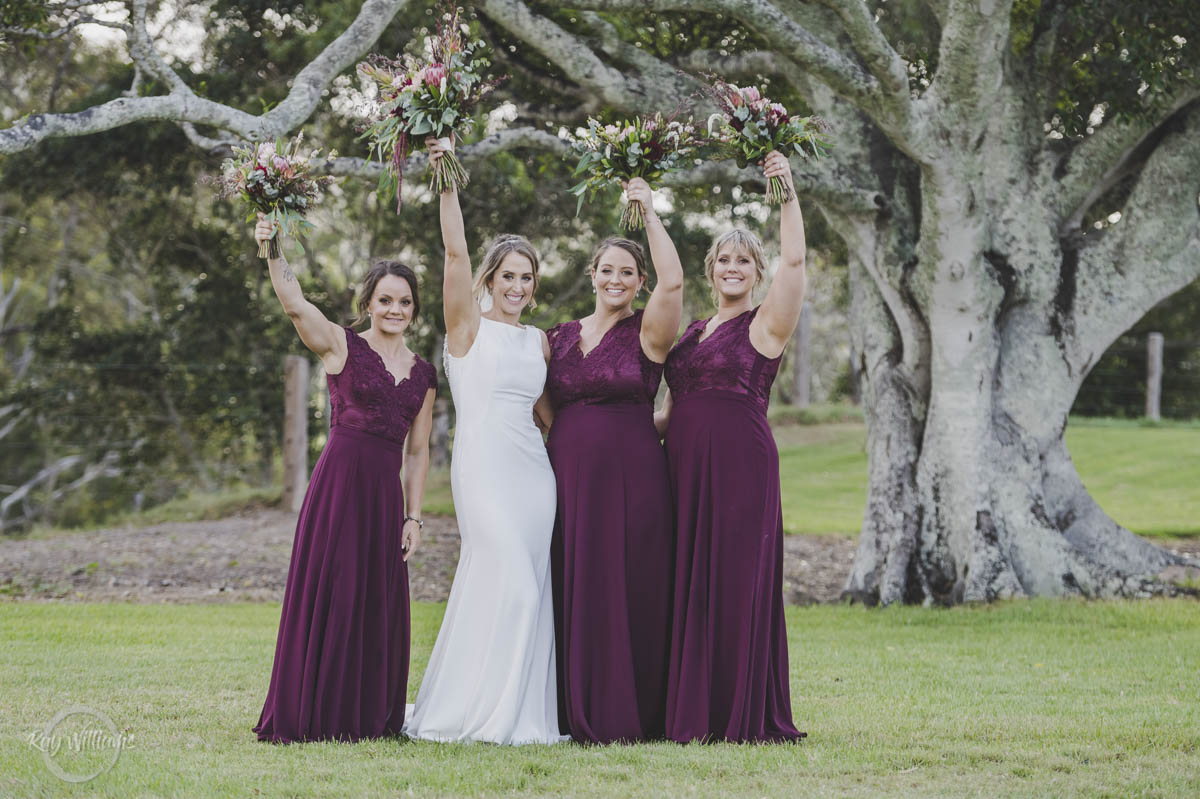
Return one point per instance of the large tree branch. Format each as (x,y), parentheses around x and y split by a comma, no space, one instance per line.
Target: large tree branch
(1152,252)
(128,110)
(64,29)
(799,44)
(66,22)
(145,56)
(971,60)
(872,46)
(181,105)
(656,86)
(1095,165)
(891,110)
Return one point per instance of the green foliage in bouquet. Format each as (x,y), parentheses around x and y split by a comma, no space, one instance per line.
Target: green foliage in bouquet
(749,126)
(645,147)
(275,179)
(420,99)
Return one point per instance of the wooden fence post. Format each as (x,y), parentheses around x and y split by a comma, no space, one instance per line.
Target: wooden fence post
(802,358)
(1154,370)
(295,431)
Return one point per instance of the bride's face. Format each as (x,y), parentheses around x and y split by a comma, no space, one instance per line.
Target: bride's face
(512,284)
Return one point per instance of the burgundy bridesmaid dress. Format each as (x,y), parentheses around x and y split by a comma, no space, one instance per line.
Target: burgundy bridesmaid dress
(612,551)
(728,673)
(341,658)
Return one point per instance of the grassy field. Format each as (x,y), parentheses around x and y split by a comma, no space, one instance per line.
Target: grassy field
(1055,699)
(1146,477)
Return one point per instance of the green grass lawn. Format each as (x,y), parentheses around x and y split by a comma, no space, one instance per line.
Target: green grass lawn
(1055,699)
(1145,477)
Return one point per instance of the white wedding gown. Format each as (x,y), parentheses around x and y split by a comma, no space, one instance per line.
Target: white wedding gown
(491,676)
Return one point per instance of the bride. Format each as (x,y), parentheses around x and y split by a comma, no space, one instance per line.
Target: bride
(491,676)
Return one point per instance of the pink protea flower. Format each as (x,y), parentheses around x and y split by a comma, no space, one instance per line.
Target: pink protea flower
(751,95)
(434,75)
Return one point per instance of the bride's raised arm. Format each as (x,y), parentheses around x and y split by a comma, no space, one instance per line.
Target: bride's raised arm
(458,300)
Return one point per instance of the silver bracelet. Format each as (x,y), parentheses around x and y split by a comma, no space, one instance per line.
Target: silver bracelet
(420,524)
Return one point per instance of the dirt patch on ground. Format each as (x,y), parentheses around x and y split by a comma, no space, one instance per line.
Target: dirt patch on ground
(245,558)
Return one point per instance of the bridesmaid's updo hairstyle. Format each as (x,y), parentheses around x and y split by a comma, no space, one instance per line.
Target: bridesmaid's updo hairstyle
(739,240)
(377,272)
(500,247)
(631,247)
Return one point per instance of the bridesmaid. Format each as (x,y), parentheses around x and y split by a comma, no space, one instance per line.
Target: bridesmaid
(728,672)
(612,550)
(341,658)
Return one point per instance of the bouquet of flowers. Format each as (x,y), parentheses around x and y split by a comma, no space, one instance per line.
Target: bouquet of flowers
(646,147)
(750,126)
(419,99)
(274,178)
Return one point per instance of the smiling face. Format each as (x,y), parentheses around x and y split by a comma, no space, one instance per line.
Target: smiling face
(615,278)
(734,272)
(391,307)
(734,265)
(512,283)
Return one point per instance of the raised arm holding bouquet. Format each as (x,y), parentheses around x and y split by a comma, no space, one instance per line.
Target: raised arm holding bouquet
(274,179)
(420,99)
(645,147)
(749,126)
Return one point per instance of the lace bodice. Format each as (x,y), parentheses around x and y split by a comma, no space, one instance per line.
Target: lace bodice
(615,371)
(725,360)
(364,396)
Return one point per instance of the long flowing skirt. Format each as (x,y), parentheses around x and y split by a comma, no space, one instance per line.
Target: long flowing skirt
(341,658)
(612,556)
(728,674)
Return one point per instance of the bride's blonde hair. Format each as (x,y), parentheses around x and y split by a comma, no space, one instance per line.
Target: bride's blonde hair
(504,244)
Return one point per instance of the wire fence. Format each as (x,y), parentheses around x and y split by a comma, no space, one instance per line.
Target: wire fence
(1119,383)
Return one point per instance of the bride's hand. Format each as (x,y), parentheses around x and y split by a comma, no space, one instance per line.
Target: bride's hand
(638,190)
(410,538)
